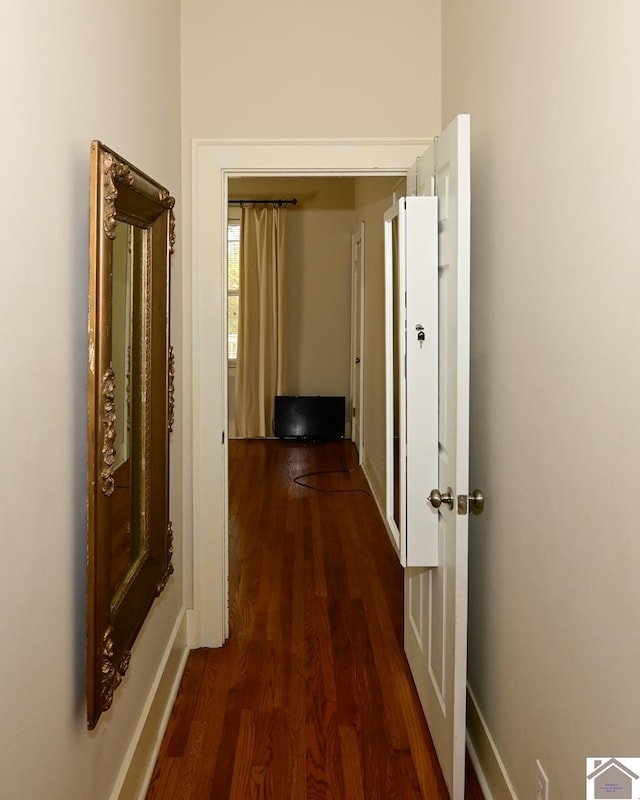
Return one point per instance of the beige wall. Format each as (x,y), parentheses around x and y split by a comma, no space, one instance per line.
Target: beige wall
(72,72)
(290,70)
(319,290)
(554,589)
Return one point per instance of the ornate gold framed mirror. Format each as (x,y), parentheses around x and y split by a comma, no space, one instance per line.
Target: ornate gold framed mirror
(130,407)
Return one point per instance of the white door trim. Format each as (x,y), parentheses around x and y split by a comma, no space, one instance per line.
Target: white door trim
(213,162)
(357,338)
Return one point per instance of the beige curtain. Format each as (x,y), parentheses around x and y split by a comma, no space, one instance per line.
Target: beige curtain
(260,366)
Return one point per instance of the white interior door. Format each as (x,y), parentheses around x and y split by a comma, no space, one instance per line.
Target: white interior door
(357,339)
(436,599)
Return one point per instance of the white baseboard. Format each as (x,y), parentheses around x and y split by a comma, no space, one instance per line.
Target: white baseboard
(377,493)
(490,769)
(137,767)
(376,490)
(192,628)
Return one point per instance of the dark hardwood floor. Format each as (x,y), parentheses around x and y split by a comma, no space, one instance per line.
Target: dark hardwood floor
(311,697)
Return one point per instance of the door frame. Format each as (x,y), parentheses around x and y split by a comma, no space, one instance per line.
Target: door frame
(214,161)
(357,338)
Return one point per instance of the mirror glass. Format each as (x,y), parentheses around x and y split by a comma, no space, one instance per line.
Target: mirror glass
(128,514)
(121,325)
(122,549)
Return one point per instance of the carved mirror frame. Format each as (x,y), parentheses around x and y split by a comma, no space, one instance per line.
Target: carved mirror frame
(130,405)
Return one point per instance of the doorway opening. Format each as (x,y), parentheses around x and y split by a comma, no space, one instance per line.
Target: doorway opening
(324,294)
(215,163)
(331,350)
(314,308)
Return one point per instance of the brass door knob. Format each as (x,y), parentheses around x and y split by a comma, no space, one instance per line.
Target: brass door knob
(437,499)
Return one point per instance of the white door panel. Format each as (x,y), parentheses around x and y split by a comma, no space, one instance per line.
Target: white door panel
(411,329)
(436,598)
(421,399)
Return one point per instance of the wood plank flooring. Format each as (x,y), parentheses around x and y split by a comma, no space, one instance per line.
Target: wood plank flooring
(311,697)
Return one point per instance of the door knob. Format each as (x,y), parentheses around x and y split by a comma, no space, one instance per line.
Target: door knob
(357,359)
(476,502)
(437,499)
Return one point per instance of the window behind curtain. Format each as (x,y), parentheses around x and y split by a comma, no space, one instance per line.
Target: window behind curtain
(233,287)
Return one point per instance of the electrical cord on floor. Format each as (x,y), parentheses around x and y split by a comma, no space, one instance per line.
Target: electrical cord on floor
(299,481)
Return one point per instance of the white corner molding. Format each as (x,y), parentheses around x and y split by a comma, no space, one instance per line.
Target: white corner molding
(490,769)
(213,162)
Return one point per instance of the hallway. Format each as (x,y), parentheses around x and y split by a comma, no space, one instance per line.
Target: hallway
(311,697)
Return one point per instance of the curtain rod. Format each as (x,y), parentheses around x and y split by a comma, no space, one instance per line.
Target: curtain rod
(264,202)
